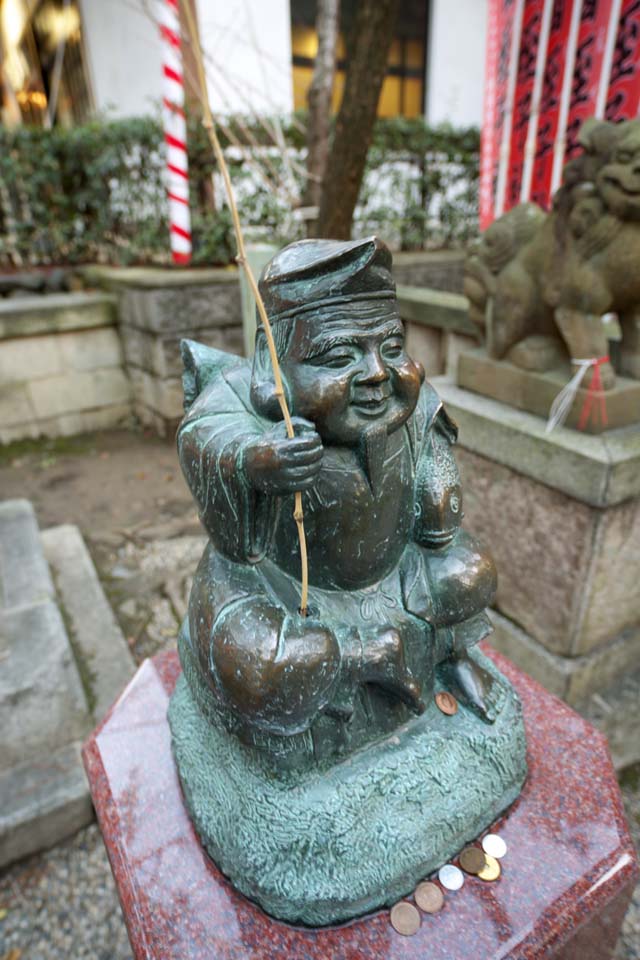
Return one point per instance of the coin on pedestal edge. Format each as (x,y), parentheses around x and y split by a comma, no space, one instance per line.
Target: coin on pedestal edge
(429,897)
(405,919)
(494,845)
(472,860)
(447,703)
(451,877)
(492,870)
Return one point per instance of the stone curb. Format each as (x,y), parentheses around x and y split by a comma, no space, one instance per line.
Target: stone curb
(105,662)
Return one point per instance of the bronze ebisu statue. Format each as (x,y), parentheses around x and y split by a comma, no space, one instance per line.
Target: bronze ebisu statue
(287,727)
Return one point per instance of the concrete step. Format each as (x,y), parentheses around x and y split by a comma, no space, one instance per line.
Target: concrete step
(24,574)
(105,661)
(63,663)
(42,703)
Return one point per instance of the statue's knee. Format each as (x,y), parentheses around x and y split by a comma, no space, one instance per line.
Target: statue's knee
(463,579)
(273,670)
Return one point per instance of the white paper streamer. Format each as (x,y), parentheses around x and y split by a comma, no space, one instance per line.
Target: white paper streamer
(564,401)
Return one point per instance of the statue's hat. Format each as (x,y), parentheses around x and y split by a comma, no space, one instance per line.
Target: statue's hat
(313,273)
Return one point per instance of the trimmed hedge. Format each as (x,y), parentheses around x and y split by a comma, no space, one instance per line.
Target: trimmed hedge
(95,193)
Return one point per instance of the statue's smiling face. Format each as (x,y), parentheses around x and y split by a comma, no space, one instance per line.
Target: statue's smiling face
(348,372)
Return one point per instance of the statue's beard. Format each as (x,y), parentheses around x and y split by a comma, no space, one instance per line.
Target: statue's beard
(373,454)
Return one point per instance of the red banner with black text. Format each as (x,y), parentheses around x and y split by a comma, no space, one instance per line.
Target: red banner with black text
(550,65)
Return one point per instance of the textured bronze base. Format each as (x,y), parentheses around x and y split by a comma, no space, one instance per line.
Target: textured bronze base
(535,392)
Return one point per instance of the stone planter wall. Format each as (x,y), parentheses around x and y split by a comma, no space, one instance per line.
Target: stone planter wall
(156,309)
(61,366)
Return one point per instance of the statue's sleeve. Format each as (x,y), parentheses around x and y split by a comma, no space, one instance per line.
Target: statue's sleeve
(438,494)
(211,440)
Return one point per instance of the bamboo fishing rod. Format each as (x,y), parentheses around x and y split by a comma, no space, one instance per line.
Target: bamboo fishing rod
(241,260)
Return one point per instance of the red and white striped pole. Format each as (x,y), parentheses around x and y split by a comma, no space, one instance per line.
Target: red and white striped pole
(175,132)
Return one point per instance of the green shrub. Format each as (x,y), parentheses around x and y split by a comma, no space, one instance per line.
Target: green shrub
(96,192)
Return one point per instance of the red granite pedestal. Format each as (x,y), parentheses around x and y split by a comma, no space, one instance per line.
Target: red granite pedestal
(566,881)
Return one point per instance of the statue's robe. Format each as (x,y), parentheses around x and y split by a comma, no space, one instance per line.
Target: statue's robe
(240,591)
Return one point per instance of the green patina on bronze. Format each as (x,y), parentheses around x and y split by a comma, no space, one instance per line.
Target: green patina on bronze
(317,770)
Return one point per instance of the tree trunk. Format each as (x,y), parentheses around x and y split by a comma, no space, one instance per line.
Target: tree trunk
(319,99)
(373,30)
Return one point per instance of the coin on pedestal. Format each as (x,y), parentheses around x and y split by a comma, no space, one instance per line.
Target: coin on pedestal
(494,846)
(447,703)
(451,877)
(472,860)
(492,869)
(405,919)
(429,897)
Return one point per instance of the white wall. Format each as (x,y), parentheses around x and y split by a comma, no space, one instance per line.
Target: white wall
(247,44)
(123,50)
(455,61)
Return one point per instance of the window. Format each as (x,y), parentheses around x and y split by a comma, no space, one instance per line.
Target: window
(43,68)
(403,88)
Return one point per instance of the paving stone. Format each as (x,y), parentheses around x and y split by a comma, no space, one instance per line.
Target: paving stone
(24,574)
(97,637)
(43,801)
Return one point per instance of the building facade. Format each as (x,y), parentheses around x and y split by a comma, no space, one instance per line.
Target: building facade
(66,60)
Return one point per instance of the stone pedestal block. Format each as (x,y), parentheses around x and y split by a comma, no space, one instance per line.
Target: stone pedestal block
(562,514)
(535,391)
(565,884)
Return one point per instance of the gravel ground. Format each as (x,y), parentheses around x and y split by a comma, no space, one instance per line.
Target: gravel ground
(629,943)
(62,905)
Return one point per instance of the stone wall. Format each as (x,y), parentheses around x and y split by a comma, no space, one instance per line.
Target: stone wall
(61,366)
(157,308)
